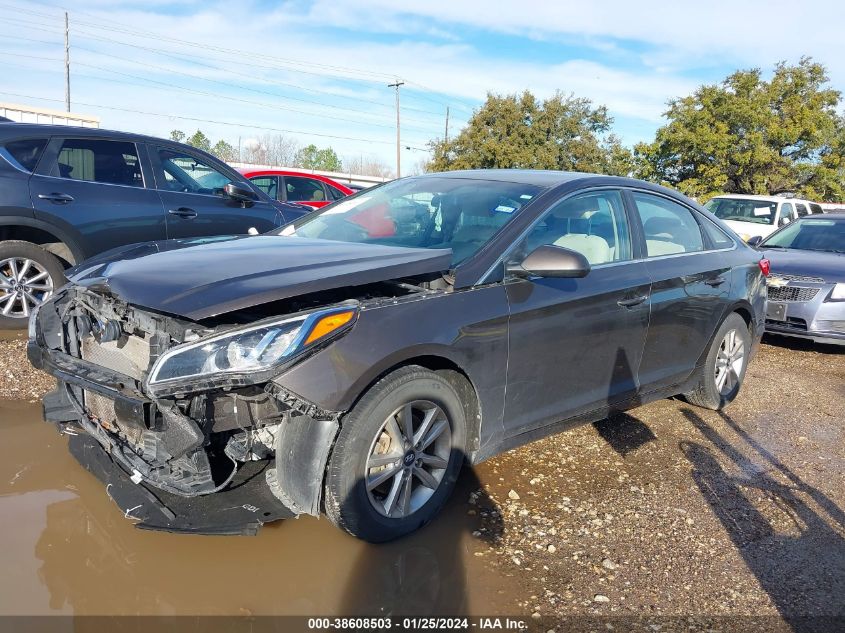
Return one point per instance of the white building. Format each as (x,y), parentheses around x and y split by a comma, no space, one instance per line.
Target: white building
(31,114)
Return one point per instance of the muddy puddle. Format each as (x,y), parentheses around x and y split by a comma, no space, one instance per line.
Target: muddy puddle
(69,550)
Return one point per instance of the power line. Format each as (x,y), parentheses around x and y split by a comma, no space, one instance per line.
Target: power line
(213,67)
(326,68)
(202,92)
(202,120)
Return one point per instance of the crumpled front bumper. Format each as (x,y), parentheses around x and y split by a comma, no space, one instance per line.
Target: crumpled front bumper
(240,508)
(260,491)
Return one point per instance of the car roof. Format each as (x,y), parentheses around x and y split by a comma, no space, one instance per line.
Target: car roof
(748,196)
(538,177)
(44,129)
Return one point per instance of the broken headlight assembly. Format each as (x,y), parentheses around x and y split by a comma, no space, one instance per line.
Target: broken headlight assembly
(246,351)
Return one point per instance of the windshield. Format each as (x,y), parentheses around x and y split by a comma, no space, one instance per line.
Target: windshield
(826,235)
(743,210)
(426,212)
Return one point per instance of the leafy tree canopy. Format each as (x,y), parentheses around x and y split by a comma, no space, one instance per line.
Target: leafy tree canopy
(200,141)
(519,131)
(309,157)
(749,135)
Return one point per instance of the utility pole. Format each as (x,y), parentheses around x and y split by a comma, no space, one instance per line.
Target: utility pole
(67,63)
(398,142)
(446,136)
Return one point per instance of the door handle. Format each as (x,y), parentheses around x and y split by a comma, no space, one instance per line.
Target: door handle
(184,213)
(630,303)
(58,198)
(715,281)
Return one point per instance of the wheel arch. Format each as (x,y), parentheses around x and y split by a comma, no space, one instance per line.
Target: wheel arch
(457,377)
(40,233)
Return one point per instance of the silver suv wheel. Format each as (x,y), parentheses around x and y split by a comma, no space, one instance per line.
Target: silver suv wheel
(24,284)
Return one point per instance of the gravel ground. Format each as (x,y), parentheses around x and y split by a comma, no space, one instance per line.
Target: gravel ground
(18,379)
(668,510)
(671,510)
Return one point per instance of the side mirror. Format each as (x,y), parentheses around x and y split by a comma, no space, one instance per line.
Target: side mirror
(551,261)
(238,192)
(754,240)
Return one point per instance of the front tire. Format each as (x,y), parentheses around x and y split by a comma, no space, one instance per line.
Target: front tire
(397,456)
(721,376)
(28,276)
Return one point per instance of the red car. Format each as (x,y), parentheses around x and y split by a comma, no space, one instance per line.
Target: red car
(293,186)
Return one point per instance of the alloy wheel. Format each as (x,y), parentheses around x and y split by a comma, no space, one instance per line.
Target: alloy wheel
(24,285)
(408,459)
(729,362)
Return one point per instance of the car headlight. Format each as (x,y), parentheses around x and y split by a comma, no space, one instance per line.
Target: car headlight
(838,292)
(248,350)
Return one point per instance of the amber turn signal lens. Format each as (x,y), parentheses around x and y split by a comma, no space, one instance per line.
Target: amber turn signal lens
(329,324)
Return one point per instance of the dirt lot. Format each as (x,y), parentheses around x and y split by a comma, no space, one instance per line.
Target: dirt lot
(666,511)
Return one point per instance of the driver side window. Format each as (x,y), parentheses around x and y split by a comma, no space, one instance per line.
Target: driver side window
(188,174)
(785,214)
(592,224)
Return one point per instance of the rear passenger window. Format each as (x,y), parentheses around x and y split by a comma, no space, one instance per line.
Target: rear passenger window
(94,160)
(670,228)
(267,184)
(592,224)
(304,189)
(717,236)
(27,152)
(801,209)
(334,192)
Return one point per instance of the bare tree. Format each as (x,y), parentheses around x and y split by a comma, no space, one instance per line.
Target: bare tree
(366,166)
(270,149)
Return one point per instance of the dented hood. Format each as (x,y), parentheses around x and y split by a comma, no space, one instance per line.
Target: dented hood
(205,277)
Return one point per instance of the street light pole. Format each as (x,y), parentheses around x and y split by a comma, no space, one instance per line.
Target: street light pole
(67,64)
(398,141)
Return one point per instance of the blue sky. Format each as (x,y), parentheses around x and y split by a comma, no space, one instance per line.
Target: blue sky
(318,71)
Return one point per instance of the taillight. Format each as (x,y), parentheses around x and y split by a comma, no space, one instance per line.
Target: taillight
(764,267)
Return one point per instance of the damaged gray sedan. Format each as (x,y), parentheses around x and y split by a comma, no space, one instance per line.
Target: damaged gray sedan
(351,362)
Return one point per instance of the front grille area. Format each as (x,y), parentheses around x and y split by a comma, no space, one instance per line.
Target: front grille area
(790,323)
(130,355)
(792,294)
(799,278)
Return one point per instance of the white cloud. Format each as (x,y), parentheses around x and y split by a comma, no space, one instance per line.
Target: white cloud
(635,57)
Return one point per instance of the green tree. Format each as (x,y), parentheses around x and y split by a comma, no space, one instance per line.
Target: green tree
(749,135)
(177,135)
(224,151)
(310,157)
(200,141)
(519,131)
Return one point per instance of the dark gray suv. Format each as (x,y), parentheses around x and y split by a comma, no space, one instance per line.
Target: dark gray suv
(69,193)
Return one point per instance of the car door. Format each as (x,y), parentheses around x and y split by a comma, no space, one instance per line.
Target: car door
(99,189)
(191,187)
(575,344)
(689,292)
(304,190)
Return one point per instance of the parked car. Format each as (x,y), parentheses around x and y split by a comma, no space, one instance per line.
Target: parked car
(353,360)
(313,190)
(806,289)
(759,216)
(68,193)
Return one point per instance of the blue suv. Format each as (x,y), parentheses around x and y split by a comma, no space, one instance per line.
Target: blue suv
(68,193)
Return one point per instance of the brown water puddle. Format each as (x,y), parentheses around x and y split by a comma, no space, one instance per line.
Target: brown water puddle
(68,549)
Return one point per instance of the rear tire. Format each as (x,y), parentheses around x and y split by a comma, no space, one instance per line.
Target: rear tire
(386,479)
(28,276)
(721,376)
